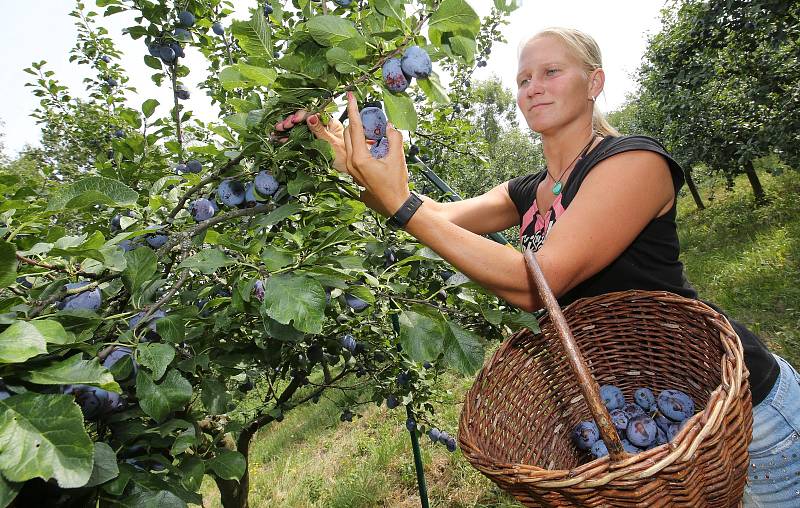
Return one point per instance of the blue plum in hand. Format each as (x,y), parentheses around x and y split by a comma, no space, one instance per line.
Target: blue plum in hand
(217,28)
(585,434)
(380,149)
(393,75)
(619,418)
(641,431)
(374,121)
(231,192)
(675,405)
(599,449)
(186,18)
(416,62)
(644,398)
(88,300)
(612,397)
(201,209)
(265,184)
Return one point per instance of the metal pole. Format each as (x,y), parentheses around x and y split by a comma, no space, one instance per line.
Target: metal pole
(423,490)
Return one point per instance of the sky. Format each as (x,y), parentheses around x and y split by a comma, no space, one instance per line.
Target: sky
(37,30)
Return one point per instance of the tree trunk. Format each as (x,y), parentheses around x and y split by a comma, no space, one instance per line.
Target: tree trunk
(232,493)
(729,182)
(693,188)
(758,191)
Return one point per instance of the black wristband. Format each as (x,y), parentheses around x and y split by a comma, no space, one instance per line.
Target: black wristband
(404,214)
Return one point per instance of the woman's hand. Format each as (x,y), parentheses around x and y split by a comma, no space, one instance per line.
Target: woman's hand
(385,180)
(333,133)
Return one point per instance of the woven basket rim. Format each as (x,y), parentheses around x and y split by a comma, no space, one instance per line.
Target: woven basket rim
(646,463)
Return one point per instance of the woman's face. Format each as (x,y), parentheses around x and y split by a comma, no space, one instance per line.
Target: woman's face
(552,87)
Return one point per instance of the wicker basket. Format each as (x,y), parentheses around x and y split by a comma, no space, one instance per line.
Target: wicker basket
(516,421)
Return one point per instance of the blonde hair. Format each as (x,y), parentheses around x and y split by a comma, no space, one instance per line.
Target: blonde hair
(585,49)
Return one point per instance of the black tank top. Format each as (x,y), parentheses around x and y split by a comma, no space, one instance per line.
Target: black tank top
(650,263)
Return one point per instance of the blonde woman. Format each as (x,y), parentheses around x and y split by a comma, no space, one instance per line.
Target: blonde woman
(600,218)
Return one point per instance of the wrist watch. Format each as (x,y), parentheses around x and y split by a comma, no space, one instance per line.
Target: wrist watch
(403,215)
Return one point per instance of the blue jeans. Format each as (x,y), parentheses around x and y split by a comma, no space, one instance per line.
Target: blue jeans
(773,478)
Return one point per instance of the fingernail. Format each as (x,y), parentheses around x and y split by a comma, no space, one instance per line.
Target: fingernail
(313,120)
(390,125)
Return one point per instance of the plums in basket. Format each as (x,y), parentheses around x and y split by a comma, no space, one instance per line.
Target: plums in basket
(619,419)
(645,399)
(632,410)
(585,434)
(675,405)
(612,397)
(630,447)
(599,449)
(641,431)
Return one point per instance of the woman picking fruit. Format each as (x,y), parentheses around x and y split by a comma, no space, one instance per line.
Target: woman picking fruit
(600,218)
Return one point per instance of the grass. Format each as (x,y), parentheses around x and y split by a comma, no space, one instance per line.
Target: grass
(742,257)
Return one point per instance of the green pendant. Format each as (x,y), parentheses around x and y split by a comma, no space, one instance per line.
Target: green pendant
(557,188)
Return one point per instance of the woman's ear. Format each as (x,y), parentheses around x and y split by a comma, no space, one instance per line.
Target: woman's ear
(597,80)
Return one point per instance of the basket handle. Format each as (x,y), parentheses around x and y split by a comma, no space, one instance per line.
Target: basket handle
(586,383)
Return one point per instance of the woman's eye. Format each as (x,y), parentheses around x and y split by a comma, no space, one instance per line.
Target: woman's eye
(551,71)
(523,82)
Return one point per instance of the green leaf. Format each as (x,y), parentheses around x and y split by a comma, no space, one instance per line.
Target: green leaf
(207,261)
(8,491)
(192,469)
(253,36)
(156,357)
(183,442)
(455,16)
(331,30)
(230,78)
(20,341)
(74,370)
(157,400)
(400,110)
(280,213)
(521,320)
(53,332)
(141,266)
(150,499)
(390,8)
(90,191)
(105,465)
(433,89)
(228,464)
(148,107)
(493,316)
(421,334)
(152,62)
(43,436)
(214,396)
(341,60)
(462,349)
(171,328)
(295,300)
(275,258)
(259,75)
(463,47)
(8,263)
(275,330)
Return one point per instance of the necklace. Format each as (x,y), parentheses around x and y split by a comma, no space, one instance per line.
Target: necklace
(558,185)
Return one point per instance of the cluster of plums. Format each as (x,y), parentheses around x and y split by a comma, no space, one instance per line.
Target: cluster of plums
(232,192)
(647,422)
